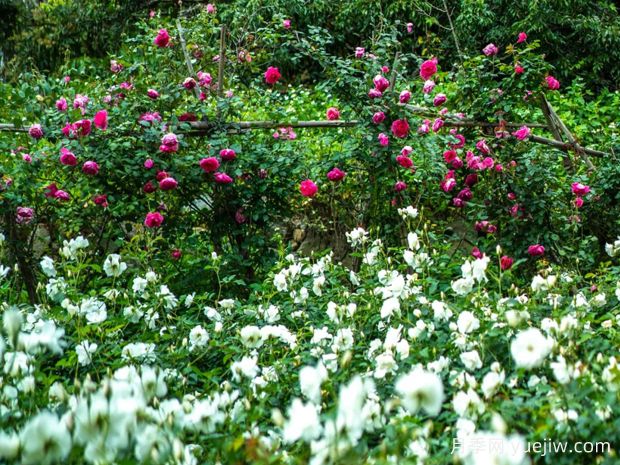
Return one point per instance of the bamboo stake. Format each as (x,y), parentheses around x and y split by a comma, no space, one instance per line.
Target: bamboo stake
(188,60)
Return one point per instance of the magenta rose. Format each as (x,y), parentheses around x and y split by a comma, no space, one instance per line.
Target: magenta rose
(428,69)
(24,215)
(536,250)
(400,186)
(333,114)
(272,75)
(490,50)
(189,83)
(168,184)
(67,157)
(522,37)
(101,120)
(439,99)
(378,117)
(222,178)
(404,161)
(153,220)
(228,154)
(522,133)
(162,39)
(505,263)
(381,83)
(61,104)
(90,167)
(169,143)
(35,131)
(336,175)
(552,83)
(308,188)
(580,189)
(400,128)
(404,96)
(152,94)
(210,164)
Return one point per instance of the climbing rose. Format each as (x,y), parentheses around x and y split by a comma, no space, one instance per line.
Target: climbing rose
(115,66)
(272,75)
(286,24)
(552,83)
(490,50)
(404,96)
(153,220)
(169,143)
(579,202)
(35,131)
(149,188)
(522,133)
(381,83)
(428,86)
(152,94)
(27,158)
(101,120)
(67,157)
(101,200)
(210,164)
(519,69)
(228,154)
(580,189)
(336,175)
(439,99)
(437,124)
(24,215)
(522,37)
(476,253)
(222,178)
(378,117)
(400,128)
(359,52)
(61,104)
(428,69)
(148,163)
(406,151)
(536,250)
(505,262)
(404,161)
(400,186)
(90,167)
(162,39)
(409,28)
(375,93)
(189,83)
(62,195)
(384,140)
(333,114)
(211,8)
(308,188)
(176,254)
(168,183)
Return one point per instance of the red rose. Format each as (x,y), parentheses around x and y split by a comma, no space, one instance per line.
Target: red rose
(400,128)
(272,75)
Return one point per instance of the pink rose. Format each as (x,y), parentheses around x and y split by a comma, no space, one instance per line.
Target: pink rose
(437,124)
(80,101)
(490,50)
(406,151)
(522,37)
(519,69)
(204,79)
(115,66)
(409,28)
(476,253)
(308,188)
(24,215)
(149,163)
(333,114)
(378,117)
(101,120)
(211,8)
(90,167)
(153,220)
(286,24)
(483,147)
(67,158)
(169,143)
(428,69)
(150,117)
(189,83)
(228,154)
(35,131)
(384,140)
(359,52)
(439,99)
(465,194)
(580,189)
(522,133)
(209,165)
(336,175)
(536,250)
(400,128)
(61,104)
(62,195)
(162,39)
(552,83)
(400,186)
(404,96)
(424,127)
(428,86)
(381,83)
(101,200)
(222,178)
(152,94)
(27,158)
(168,184)
(375,93)
(447,184)
(272,75)
(578,202)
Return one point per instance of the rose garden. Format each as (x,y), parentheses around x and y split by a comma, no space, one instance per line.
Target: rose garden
(257,242)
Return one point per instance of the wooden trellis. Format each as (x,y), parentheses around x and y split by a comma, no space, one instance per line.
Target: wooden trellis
(203,128)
